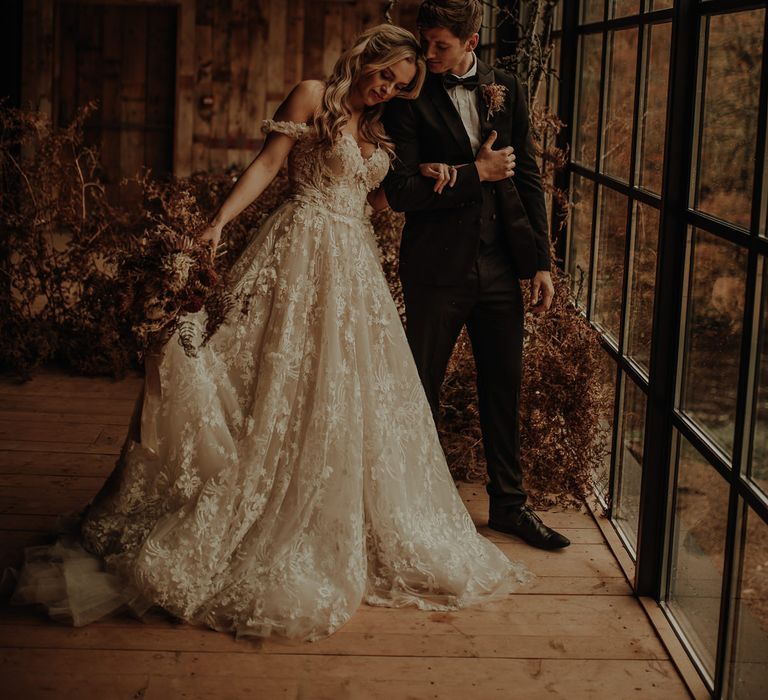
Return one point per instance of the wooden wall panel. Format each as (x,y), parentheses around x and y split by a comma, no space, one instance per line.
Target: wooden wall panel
(239,51)
(203,106)
(405,15)
(37,70)
(275,63)
(256,85)
(333,27)
(66,69)
(124,59)
(89,50)
(160,102)
(46,49)
(185,88)
(110,91)
(221,86)
(314,39)
(294,45)
(235,60)
(133,89)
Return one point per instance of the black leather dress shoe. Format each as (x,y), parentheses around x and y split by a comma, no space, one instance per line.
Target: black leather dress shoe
(528,526)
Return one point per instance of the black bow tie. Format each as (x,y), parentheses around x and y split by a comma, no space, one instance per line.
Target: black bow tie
(452,81)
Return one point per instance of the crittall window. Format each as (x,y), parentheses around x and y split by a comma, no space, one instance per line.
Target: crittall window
(665,106)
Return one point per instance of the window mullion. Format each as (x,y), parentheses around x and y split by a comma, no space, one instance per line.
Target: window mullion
(668,300)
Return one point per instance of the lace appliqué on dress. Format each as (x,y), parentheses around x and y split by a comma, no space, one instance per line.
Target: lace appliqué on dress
(296,470)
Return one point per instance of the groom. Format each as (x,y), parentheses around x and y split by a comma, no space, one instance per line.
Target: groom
(465,247)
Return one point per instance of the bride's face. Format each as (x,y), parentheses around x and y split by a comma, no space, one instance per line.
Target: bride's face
(381,85)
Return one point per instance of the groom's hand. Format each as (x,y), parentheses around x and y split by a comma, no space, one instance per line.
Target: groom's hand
(493,166)
(542,292)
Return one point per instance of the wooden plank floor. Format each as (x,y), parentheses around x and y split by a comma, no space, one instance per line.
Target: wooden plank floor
(576,632)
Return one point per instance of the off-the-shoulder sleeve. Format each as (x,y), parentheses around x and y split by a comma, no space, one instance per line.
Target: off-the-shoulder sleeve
(293,129)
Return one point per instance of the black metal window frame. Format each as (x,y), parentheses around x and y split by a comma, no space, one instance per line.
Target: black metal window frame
(570,63)
(664,418)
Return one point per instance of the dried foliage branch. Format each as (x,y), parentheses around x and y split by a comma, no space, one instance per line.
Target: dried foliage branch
(532,22)
(68,255)
(552,158)
(59,235)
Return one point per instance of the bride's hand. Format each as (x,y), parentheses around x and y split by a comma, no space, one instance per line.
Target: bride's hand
(211,234)
(442,172)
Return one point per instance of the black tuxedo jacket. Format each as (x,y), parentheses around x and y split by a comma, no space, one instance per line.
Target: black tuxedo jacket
(442,231)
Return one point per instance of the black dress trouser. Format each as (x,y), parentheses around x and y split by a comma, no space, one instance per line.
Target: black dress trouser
(489,302)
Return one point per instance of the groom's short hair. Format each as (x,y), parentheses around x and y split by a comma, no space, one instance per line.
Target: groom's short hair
(460,17)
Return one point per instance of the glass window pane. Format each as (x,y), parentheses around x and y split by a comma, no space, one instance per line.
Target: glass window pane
(642,284)
(557,16)
(749,664)
(592,10)
(653,110)
(659,4)
(620,102)
(580,237)
(609,274)
(696,558)
(548,91)
(622,8)
(551,90)
(713,335)
(588,99)
(758,470)
(629,463)
(553,84)
(607,380)
(731,99)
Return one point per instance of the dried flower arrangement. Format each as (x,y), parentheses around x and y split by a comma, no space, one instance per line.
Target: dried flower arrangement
(169,275)
(494,95)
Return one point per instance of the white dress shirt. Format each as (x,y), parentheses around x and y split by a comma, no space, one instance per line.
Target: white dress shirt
(465,102)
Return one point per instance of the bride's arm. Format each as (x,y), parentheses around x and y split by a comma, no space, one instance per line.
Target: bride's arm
(297,107)
(378,199)
(444,174)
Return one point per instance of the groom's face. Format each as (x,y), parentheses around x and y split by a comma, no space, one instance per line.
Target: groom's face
(445,52)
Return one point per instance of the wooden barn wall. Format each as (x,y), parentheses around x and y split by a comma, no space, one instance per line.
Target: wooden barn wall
(235,60)
(124,58)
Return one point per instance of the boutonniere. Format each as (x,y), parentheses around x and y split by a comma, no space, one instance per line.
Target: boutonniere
(493,97)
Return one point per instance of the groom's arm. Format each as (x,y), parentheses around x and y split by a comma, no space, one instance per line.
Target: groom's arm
(406,188)
(527,177)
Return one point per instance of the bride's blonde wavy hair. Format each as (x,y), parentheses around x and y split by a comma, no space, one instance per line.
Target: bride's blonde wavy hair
(375,49)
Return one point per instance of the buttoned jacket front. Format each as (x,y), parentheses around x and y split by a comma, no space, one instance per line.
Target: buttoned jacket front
(442,231)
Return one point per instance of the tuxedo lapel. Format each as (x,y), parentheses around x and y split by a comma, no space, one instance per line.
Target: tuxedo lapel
(434,89)
(484,77)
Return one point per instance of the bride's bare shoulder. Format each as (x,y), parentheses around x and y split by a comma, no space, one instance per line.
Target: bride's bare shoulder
(311,89)
(302,101)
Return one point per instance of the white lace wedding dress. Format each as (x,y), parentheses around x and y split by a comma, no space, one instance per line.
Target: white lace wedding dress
(292,469)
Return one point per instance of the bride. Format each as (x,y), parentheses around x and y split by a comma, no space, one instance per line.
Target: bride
(292,469)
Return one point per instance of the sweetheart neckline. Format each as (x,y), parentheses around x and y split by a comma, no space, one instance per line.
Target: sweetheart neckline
(363,157)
